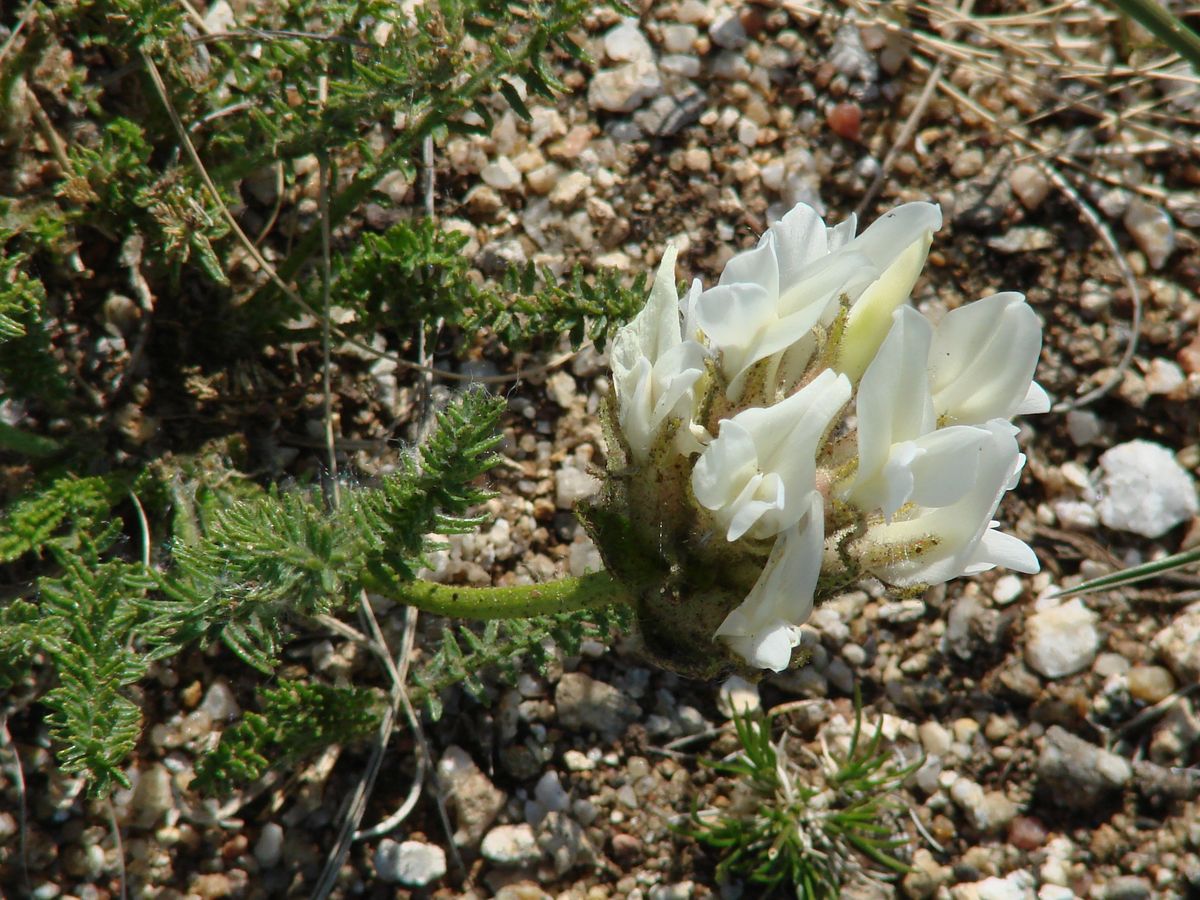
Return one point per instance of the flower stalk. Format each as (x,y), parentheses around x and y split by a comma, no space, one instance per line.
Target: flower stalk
(592,591)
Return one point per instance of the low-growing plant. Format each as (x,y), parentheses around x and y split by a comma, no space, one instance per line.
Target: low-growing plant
(802,823)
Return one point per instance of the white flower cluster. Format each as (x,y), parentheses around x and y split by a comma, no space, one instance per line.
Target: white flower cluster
(823,419)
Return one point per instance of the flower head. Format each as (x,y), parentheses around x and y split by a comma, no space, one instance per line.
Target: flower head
(808,427)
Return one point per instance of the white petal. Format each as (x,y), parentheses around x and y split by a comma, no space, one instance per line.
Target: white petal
(634,392)
(653,368)
(687,306)
(763,627)
(732,317)
(802,239)
(943,542)
(999,549)
(763,495)
(982,359)
(675,372)
(788,436)
(779,442)
(897,245)
(722,471)
(949,465)
(1036,401)
(894,484)
(893,403)
(663,304)
(843,233)
(770,647)
(758,266)
(885,239)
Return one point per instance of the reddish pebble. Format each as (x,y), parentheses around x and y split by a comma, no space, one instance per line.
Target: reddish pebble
(1026,833)
(846,121)
(1189,356)
(626,849)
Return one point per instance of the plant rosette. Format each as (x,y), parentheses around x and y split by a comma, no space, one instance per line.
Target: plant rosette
(799,426)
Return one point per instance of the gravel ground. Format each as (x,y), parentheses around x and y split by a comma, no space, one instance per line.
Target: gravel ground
(1060,739)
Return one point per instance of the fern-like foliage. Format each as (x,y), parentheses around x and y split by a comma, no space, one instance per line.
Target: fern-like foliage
(260,562)
(114,179)
(56,514)
(88,618)
(21,628)
(502,647)
(83,625)
(415,272)
(591,306)
(433,493)
(411,273)
(27,368)
(297,719)
(263,561)
(68,521)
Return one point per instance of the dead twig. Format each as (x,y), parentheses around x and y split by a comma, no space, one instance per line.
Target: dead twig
(904,138)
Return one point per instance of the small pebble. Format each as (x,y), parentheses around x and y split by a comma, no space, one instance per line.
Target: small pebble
(1179,644)
(1030,185)
(1078,774)
(898,611)
(1164,376)
(626,43)
(624,88)
(1143,489)
(849,57)
(1083,427)
(728,31)
(845,120)
(737,696)
(1062,640)
(501,174)
(510,845)
(269,847)
(1150,684)
(410,863)
(679,38)
(1151,229)
(968,163)
(1007,589)
(569,189)
(1023,239)
(1026,833)
(572,486)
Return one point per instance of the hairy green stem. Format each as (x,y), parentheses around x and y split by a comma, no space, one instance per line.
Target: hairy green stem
(592,591)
